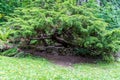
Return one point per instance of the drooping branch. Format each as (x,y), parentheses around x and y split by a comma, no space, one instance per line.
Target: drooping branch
(41,38)
(56,37)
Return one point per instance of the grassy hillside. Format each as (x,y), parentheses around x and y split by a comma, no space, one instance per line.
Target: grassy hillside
(31,68)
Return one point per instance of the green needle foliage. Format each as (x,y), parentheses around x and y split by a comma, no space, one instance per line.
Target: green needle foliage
(86,25)
(8,6)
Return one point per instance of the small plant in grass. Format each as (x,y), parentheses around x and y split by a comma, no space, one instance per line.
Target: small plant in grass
(14,52)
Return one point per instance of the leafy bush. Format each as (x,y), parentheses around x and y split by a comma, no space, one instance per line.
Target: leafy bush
(80,26)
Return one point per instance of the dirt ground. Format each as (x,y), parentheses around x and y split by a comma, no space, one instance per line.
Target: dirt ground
(63,60)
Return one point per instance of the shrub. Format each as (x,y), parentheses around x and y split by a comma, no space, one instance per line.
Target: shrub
(65,23)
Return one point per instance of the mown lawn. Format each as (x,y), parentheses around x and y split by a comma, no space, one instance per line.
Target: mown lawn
(30,68)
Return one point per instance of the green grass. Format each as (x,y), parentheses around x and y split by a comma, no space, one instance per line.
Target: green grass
(31,68)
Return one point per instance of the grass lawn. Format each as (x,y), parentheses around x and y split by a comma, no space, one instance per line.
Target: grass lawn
(30,68)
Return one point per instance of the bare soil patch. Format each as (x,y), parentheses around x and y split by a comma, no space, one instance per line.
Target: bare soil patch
(63,60)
